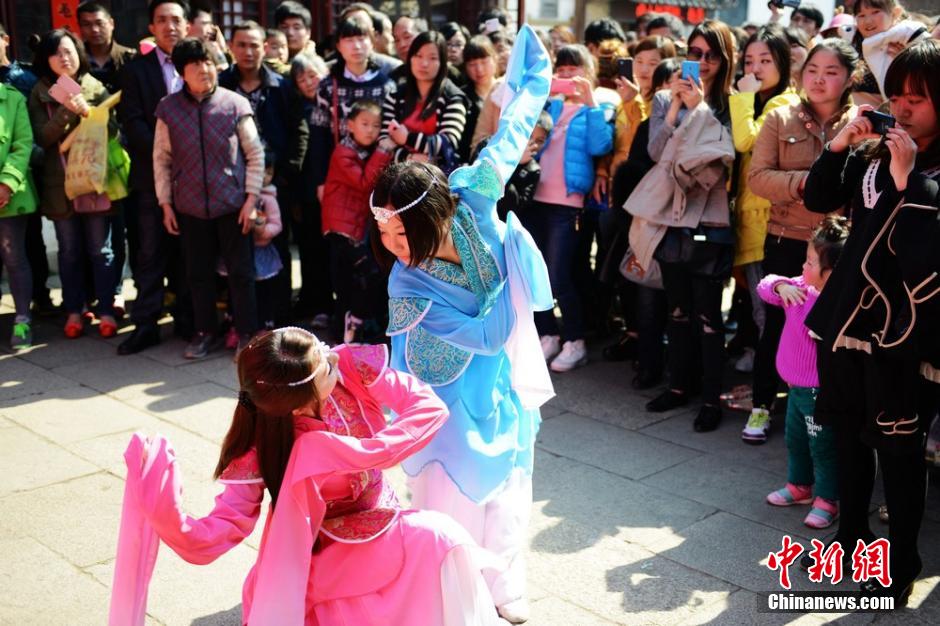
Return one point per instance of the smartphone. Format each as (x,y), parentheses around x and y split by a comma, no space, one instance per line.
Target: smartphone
(63,89)
(690,70)
(625,68)
(880,122)
(491,26)
(563,86)
(784,4)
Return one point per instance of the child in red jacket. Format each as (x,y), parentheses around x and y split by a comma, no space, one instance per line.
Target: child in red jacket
(354,167)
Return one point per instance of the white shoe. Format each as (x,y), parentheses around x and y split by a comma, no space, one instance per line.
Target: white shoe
(551,345)
(573,354)
(515,612)
(745,364)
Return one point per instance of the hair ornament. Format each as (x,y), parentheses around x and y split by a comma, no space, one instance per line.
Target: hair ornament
(319,348)
(382,215)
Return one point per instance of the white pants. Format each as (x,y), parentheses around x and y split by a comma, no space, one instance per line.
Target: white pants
(498,525)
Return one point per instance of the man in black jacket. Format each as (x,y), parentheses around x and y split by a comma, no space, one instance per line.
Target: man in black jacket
(145,81)
(273,102)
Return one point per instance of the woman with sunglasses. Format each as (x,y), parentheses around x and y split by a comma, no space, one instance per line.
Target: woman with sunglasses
(694,285)
(337,548)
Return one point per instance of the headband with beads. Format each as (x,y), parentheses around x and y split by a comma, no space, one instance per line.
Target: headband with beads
(321,349)
(382,215)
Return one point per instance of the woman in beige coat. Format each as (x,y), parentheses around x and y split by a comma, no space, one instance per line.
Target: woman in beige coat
(790,140)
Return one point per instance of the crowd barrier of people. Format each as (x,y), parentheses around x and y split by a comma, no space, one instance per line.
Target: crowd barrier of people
(796,167)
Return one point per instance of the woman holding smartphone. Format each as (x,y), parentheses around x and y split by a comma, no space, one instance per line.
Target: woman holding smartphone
(582,130)
(879,358)
(693,288)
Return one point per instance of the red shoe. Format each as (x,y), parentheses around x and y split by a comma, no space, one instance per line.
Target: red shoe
(73,328)
(107,328)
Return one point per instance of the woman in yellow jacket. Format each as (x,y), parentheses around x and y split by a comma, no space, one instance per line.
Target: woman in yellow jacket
(764,87)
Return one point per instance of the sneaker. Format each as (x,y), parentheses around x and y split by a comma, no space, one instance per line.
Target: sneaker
(22,336)
(823,514)
(551,346)
(200,346)
(757,427)
(573,354)
(320,321)
(745,364)
(231,338)
(791,494)
(351,327)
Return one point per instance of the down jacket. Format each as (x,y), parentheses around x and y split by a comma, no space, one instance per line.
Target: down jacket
(590,134)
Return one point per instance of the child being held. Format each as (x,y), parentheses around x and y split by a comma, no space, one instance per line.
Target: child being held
(266,226)
(521,185)
(811,451)
(354,167)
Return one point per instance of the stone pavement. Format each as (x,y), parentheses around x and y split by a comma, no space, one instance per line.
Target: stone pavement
(637,519)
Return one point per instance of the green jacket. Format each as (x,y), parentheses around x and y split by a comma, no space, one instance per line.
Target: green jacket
(16,146)
(52,123)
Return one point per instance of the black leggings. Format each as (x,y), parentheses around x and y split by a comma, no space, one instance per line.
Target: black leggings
(693,299)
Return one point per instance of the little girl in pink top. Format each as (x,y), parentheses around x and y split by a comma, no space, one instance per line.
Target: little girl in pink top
(811,452)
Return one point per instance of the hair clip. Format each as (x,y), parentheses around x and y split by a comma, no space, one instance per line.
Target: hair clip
(382,215)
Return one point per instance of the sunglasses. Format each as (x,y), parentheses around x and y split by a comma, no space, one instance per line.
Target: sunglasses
(697,54)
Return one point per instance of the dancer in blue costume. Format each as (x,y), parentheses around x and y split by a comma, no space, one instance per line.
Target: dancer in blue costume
(463,288)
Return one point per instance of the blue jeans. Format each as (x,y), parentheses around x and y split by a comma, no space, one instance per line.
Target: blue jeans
(552,226)
(84,237)
(13,256)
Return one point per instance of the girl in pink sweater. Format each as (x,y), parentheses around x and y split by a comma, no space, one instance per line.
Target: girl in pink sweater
(811,452)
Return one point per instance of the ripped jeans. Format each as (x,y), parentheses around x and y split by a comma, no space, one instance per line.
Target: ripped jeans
(694,310)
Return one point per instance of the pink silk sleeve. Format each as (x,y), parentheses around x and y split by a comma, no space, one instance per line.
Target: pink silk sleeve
(284,563)
(152,511)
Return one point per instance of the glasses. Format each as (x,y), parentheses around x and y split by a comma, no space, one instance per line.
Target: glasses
(697,54)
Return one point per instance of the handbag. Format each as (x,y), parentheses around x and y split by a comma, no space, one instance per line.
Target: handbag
(707,251)
(631,270)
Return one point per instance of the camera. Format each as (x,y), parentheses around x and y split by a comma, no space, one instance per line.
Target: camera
(880,122)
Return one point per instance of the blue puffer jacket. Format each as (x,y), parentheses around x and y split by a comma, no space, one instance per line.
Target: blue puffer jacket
(590,134)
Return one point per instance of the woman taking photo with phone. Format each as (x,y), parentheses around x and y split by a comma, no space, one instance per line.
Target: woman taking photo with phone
(790,140)
(582,130)
(696,260)
(879,359)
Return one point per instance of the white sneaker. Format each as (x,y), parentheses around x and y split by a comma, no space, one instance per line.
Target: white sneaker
(551,345)
(757,427)
(515,612)
(573,354)
(745,363)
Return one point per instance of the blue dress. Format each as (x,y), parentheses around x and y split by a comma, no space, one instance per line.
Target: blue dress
(450,323)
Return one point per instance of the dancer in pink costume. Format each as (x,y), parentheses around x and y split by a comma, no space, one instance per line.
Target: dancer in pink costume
(336,548)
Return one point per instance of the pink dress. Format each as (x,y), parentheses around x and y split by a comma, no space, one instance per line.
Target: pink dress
(337,548)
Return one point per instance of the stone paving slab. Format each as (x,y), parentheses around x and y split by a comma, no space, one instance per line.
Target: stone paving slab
(28,461)
(40,587)
(22,382)
(740,489)
(617,450)
(128,376)
(566,494)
